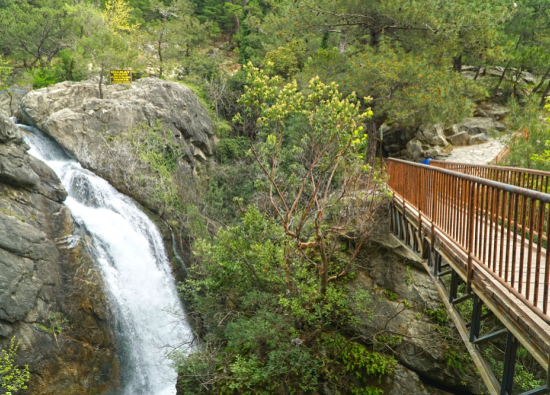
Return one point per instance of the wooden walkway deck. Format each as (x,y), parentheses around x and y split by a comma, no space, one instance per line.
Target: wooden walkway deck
(493,236)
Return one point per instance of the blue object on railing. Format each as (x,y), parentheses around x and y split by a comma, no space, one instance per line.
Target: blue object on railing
(426,161)
(13,90)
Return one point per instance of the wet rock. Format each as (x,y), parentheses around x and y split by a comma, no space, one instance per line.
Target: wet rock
(40,280)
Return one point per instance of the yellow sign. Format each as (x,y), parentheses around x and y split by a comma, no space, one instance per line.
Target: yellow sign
(121,76)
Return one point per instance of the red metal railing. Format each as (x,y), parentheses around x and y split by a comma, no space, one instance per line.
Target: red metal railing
(501,226)
(535,180)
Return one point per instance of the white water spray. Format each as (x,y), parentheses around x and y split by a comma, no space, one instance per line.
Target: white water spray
(135,267)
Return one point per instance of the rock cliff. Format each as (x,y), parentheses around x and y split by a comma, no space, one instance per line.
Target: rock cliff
(74,115)
(51,296)
(409,320)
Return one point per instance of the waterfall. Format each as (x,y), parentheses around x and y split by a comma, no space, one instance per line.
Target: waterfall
(150,319)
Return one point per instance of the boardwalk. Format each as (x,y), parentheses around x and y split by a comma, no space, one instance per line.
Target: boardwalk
(493,236)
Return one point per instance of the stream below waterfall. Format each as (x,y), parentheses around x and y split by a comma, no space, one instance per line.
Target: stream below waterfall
(150,320)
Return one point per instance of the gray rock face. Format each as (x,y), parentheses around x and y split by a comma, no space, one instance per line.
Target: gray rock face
(406,382)
(432,135)
(42,277)
(78,120)
(11,101)
(402,293)
(493,110)
(459,139)
(480,125)
(428,141)
(479,138)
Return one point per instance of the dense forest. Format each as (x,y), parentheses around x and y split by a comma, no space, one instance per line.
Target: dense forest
(298,91)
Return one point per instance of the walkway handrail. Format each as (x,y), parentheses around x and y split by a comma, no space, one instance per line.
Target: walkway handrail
(527,178)
(492,222)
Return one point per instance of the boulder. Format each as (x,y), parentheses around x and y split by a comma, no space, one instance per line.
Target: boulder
(10,101)
(432,135)
(459,139)
(406,382)
(492,110)
(478,139)
(480,125)
(414,148)
(396,138)
(74,115)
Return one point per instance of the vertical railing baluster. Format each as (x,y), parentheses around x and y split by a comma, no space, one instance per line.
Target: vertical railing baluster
(530,249)
(539,252)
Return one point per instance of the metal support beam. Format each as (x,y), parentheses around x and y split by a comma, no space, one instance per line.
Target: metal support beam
(462,299)
(509,365)
(454,286)
(437,263)
(476,318)
(491,336)
(537,391)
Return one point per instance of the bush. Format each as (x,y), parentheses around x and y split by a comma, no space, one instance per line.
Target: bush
(265,326)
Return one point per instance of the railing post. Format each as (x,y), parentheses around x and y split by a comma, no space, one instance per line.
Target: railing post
(418,196)
(471,215)
(434,216)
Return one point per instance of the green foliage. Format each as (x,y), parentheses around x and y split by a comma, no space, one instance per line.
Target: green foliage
(408,87)
(5,72)
(13,378)
(149,156)
(524,379)
(439,316)
(265,324)
(286,60)
(232,148)
(391,295)
(45,76)
(326,161)
(528,149)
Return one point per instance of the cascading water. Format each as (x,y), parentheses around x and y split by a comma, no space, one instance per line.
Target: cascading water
(136,270)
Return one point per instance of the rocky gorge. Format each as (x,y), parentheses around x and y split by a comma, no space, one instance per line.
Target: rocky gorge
(55,299)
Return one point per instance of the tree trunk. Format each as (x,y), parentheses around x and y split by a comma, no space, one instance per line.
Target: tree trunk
(457,64)
(100,82)
(543,99)
(70,72)
(501,79)
(374,37)
(541,83)
(323,268)
(477,73)
(160,58)
(518,75)
(343,42)
(373,126)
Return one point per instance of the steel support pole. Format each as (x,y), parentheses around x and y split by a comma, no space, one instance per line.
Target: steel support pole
(509,365)
(475,325)
(453,291)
